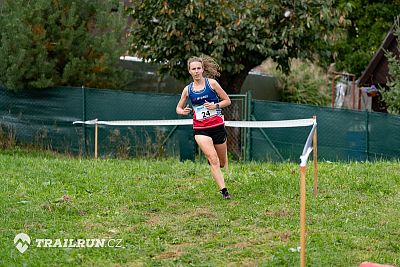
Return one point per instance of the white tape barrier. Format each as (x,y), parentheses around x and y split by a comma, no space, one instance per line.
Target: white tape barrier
(308,147)
(240,124)
(271,124)
(138,122)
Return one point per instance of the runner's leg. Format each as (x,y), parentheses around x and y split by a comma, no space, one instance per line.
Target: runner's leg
(206,145)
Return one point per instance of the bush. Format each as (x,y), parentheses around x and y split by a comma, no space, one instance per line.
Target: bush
(306,83)
(392,96)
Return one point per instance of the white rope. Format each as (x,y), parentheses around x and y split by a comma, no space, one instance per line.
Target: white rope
(271,124)
(138,122)
(240,124)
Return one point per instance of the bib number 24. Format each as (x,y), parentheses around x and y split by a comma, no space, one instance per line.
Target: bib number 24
(204,113)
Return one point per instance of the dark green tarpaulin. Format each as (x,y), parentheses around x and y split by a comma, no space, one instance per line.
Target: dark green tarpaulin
(44,118)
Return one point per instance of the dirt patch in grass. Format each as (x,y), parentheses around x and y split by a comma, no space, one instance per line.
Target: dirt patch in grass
(278,213)
(153,220)
(174,251)
(203,212)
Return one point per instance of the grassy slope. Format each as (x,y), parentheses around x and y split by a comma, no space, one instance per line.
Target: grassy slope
(169,213)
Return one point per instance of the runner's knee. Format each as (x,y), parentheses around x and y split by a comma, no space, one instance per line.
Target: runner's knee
(214,160)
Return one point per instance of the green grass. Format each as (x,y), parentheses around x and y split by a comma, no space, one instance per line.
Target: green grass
(169,213)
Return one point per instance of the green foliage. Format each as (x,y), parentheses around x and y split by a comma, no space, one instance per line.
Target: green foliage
(60,42)
(7,136)
(169,213)
(239,35)
(370,22)
(392,96)
(306,83)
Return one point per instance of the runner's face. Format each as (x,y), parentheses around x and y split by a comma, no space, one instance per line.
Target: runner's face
(196,70)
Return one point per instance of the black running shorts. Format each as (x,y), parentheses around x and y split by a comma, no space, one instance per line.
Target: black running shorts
(218,134)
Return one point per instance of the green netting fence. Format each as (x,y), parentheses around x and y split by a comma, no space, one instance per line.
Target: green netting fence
(342,134)
(44,118)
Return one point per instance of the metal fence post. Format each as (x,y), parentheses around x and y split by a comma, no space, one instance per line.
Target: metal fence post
(248,132)
(367,134)
(84,119)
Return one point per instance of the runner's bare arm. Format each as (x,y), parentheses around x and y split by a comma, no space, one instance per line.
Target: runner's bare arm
(180,107)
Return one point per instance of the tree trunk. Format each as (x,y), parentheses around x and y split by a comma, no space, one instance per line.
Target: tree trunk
(232,83)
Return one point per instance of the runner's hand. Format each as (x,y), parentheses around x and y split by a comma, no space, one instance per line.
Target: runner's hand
(210,105)
(186,110)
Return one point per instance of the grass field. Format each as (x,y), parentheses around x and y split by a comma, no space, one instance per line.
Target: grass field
(169,213)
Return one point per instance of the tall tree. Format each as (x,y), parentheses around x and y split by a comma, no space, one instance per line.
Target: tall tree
(60,42)
(240,35)
(370,23)
(392,96)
